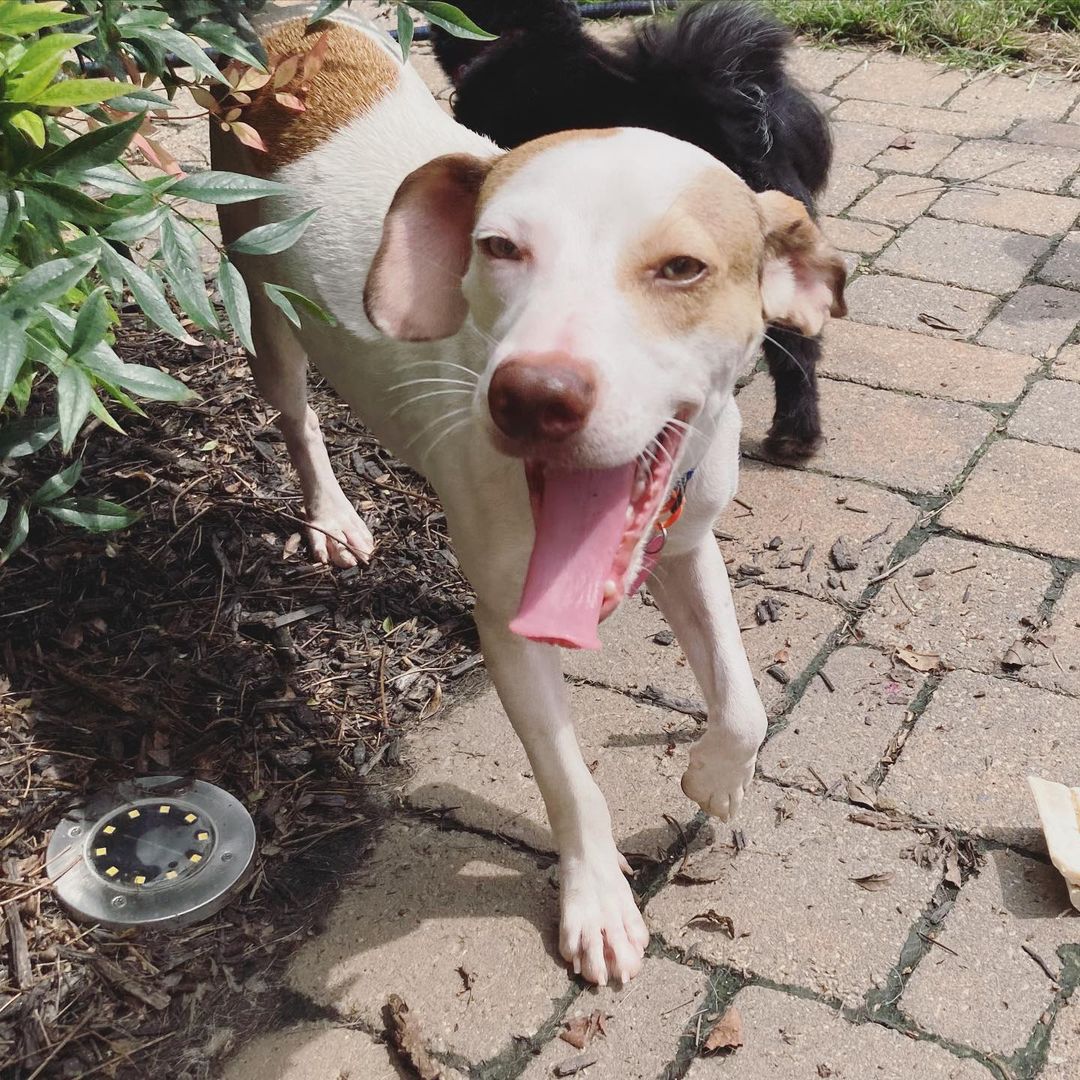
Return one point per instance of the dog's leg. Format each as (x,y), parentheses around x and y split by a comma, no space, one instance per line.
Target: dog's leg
(694,593)
(796,428)
(335,531)
(602,933)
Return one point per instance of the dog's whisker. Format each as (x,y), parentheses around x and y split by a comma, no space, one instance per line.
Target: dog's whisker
(443,363)
(421,397)
(441,418)
(446,434)
(418,382)
(794,359)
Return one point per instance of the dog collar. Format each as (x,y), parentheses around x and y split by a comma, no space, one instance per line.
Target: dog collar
(670,512)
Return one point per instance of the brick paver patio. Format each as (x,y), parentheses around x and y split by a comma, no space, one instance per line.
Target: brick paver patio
(952,471)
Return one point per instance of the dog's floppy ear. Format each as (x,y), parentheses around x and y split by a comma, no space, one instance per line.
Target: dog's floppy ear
(802,278)
(413,290)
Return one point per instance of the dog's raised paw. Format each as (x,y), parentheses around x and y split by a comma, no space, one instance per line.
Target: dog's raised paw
(717,781)
(602,934)
(338,536)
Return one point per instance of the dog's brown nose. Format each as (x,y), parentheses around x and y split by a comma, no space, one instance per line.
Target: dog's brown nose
(546,396)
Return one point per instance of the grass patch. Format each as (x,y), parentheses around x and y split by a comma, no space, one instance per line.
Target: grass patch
(975,33)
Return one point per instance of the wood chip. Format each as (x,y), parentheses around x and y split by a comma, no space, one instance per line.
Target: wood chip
(405,1034)
(875,882)
(575,1064)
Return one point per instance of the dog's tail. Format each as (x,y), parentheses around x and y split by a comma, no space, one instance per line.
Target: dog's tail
(550,21)
(728,61)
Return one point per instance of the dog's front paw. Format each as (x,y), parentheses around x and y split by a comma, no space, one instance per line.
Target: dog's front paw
(717,780)
(601,934)
(337,534)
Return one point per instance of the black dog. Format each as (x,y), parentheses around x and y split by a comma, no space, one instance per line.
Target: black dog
(712,75)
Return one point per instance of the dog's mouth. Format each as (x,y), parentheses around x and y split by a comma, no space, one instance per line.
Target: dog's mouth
(591,525)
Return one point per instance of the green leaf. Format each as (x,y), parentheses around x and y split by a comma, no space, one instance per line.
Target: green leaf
(19,532)
(275,237)
(17,18)
(129,229)
(67,203)
(184,271)
(30,124)
(114,179)
(106,417)
(71,92)
(12,354)
(148,382)
(140,100)
(234,296)
(73,393)
(22,437)
(187,50)
(452,19)
(20,392)
(286,298)
(57,485)
(45,282)
(146,291)
(327,7)
(95,515)
(95,317)
(11,216)
(405,29)
(50,47)
(102,146)
(225,187)
(225,39)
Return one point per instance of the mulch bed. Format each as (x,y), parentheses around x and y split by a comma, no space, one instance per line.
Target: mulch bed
(203,642)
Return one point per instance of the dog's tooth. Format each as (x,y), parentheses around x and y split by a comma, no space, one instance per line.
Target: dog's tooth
(610,590)
(629,515)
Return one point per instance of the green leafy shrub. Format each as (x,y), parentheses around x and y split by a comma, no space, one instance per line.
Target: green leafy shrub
(71,204)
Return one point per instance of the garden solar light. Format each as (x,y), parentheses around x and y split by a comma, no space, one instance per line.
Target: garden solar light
(160,851)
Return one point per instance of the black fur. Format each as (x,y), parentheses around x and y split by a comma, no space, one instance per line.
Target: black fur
(713,74)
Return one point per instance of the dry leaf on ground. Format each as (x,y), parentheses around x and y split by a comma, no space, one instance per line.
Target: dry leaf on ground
(405,1034)
(918,661)
(727,1034)
(875,882)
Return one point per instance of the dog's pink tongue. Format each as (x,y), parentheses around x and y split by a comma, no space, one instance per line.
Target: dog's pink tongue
(579,524)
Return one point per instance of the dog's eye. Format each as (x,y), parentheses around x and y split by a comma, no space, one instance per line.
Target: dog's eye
(498,247)
(683,270)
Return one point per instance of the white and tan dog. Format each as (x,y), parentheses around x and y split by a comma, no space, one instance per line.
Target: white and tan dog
(552,337)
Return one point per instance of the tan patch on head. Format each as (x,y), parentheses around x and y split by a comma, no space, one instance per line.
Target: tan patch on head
(515,160)
(715,221)
(355,75)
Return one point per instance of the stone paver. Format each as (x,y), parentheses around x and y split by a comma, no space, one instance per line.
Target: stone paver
(1050,414)
(967,610)
(427,903)
(912,444)
(632,659)
(803,511)
(1047,133)
(898,200)
(794,1039)
(898,360)
(922,306)
(973,125)
(915,152)
(986,991)
(1057,650)
(313,1052)
(1067,364)
(799,918)
(856,144)
(1009,164)
(1026,96)
(857,236)
(966,762)
(1063,267)
(901,81)
(1008,208)
(1035,320)
(971,256)
(846,184)
(470,763)
(1022,494)
(818,69)
(644,1025)
(841,734)
(1063,1057)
